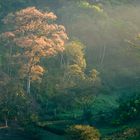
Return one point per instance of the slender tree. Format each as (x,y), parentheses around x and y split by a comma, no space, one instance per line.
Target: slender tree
(34,36)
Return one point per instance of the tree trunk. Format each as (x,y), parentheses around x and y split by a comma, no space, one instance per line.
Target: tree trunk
(6,122)
(28,84)
(103,55)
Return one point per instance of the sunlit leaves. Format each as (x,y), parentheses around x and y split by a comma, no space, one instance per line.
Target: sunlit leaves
(91,6)
(75,54)
(35,36)
(84,132)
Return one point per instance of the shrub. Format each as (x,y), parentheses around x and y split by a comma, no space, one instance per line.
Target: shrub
(83,132)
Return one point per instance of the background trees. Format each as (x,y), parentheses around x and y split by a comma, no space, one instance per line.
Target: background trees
(74,83)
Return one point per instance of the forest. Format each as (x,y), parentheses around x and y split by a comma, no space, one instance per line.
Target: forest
(69,69)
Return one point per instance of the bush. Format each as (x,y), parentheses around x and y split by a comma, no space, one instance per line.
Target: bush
(83,132)
(127,111)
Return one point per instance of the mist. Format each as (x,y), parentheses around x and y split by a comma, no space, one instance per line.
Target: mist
(69,69)
(105,34)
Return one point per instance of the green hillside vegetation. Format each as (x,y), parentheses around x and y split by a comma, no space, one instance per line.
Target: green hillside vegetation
(69,70)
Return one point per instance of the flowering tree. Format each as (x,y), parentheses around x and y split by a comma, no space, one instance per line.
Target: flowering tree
(33,35)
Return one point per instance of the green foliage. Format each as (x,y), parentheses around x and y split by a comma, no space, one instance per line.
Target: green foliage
(96,8)
(128,110)
(108,65)
(13,102)
(83,132)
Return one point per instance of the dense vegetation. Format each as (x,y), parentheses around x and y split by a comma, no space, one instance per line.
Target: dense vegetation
(69,69)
